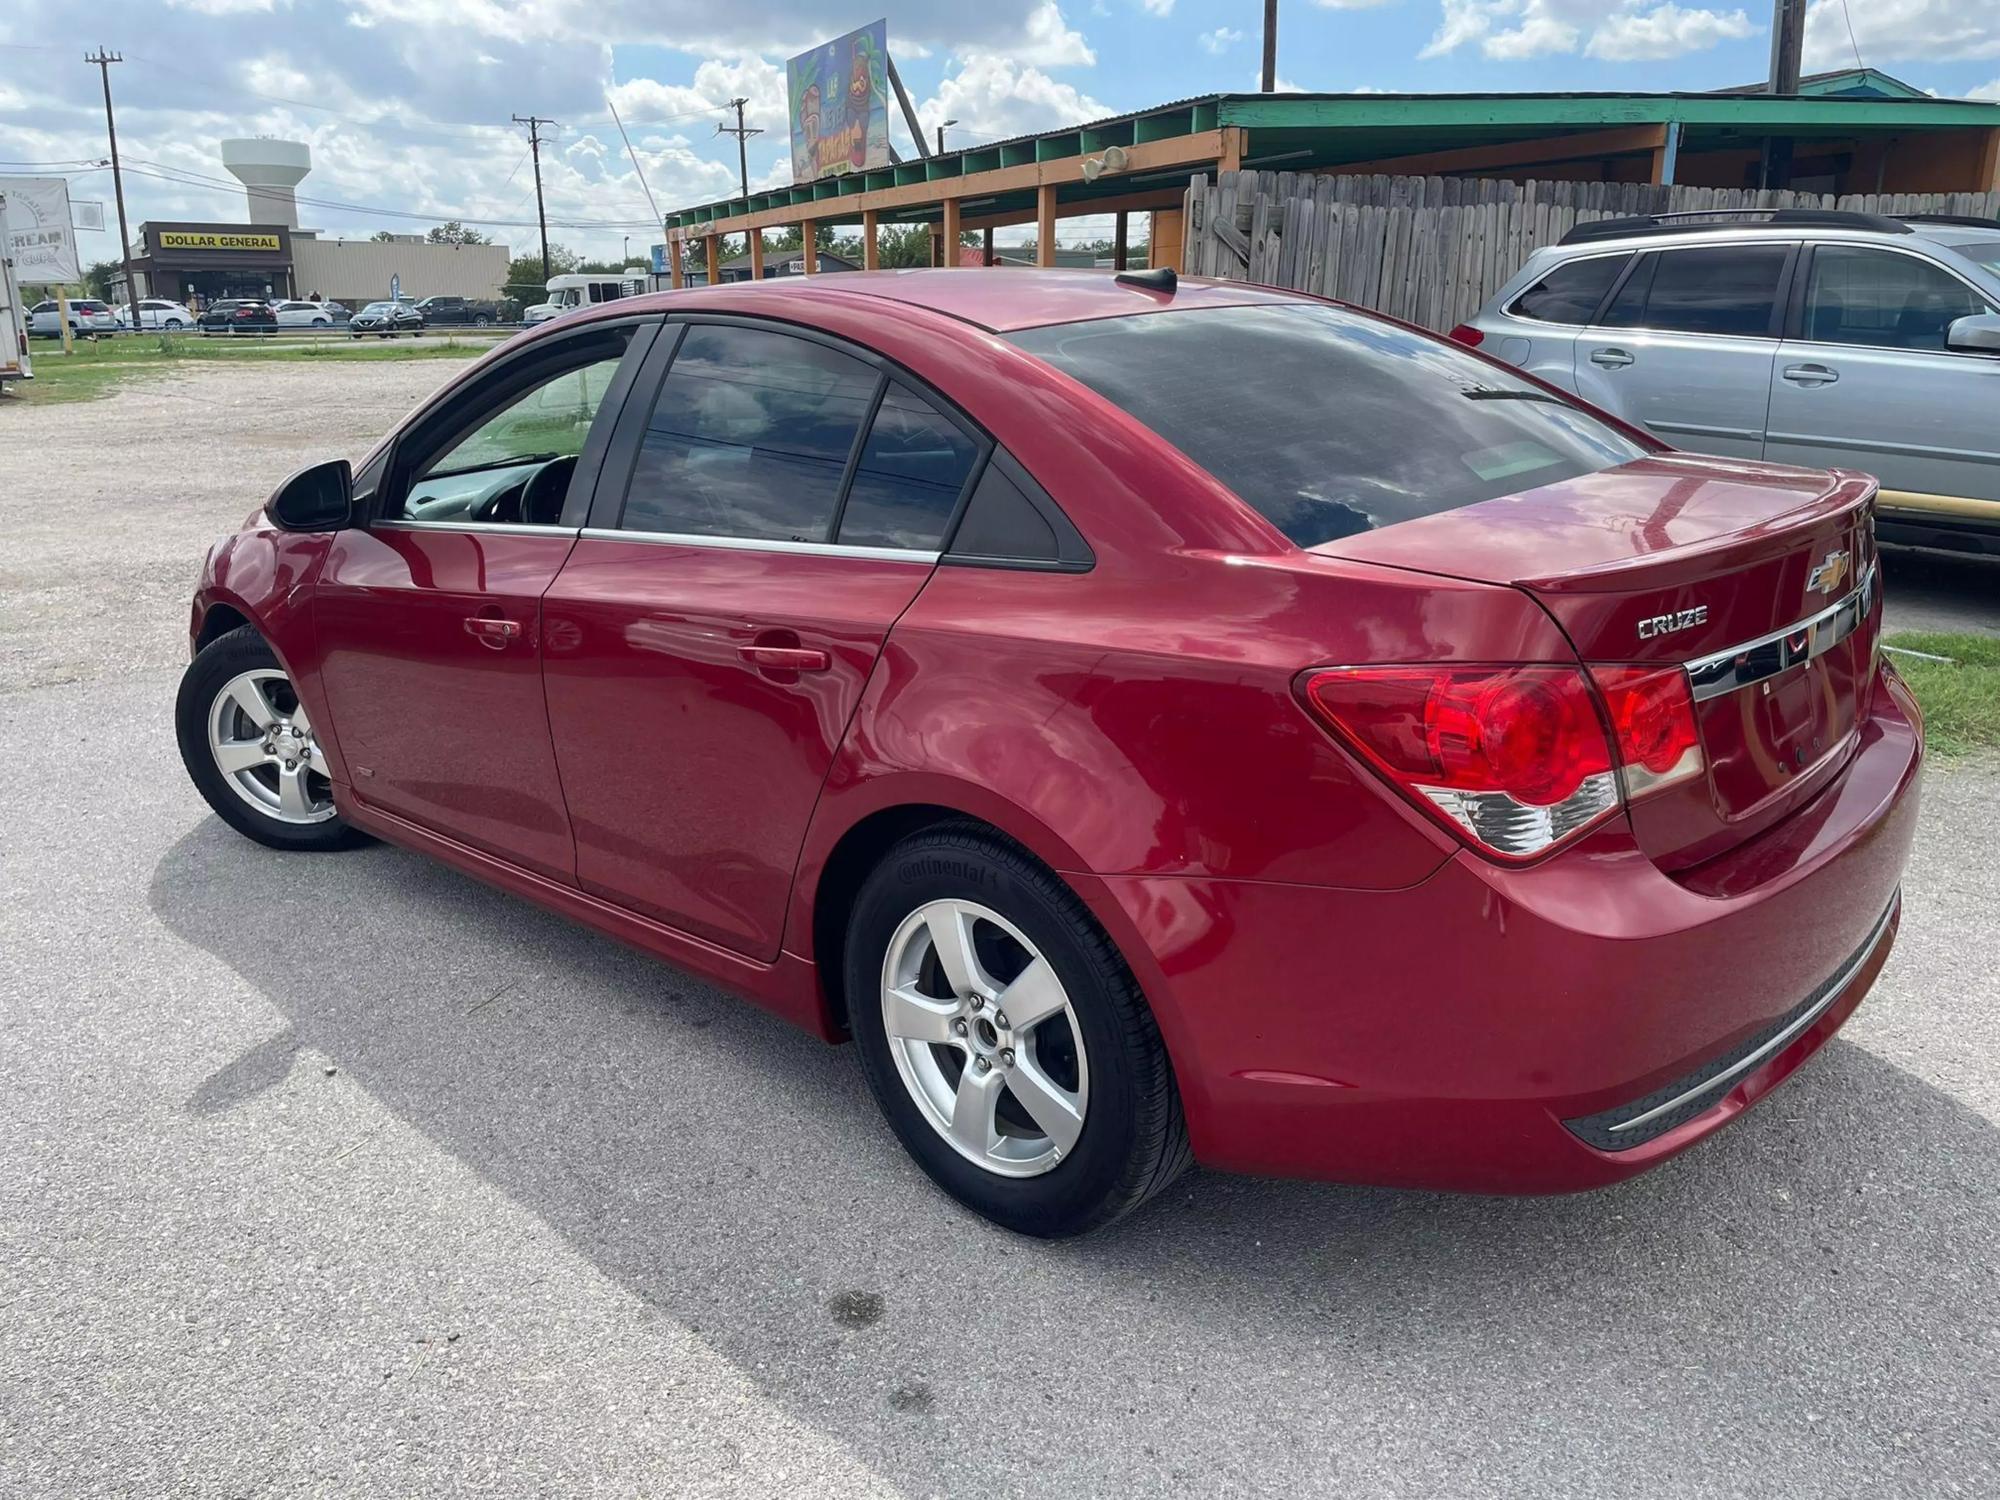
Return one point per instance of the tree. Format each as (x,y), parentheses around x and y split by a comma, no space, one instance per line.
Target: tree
(524,272)
(451,232)
(99,279)
(382,236)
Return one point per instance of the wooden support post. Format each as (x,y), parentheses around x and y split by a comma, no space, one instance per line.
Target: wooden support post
(756,255)
(871,251)
(809,246)
(987,246)
(1230,158)
(1989,164)
(1666,155)
(1118,247)
(677,263)
(1045,224)
(1165,239)
(951,232)
(715,260)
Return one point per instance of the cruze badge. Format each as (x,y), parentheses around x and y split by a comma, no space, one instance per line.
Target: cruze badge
(1829,575)
(1680,619)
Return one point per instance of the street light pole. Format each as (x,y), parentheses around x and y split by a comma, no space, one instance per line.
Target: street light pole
(940,131)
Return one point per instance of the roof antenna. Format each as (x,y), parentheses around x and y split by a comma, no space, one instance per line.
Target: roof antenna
(1159,279)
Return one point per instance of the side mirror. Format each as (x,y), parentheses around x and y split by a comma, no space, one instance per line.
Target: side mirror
(319,497)
(1978,334)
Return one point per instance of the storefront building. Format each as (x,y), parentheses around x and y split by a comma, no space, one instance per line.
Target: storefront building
(198,263)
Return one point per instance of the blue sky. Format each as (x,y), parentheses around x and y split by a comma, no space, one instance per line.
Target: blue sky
(405,103)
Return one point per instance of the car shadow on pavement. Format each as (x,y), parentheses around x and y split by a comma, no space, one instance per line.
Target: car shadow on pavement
(1821,1273)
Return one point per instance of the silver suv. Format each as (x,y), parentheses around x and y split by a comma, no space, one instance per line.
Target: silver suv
(1805,336)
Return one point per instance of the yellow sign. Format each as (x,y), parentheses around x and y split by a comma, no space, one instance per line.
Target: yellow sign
(183,239)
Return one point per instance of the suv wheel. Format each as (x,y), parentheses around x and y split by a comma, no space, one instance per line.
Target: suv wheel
(1005,1039)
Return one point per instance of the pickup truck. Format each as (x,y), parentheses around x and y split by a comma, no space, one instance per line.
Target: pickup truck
(438,310)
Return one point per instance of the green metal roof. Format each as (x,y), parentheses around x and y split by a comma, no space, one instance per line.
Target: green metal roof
(1326,130)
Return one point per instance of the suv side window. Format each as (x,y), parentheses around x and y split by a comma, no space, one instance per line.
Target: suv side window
(1884,299)
(1570,293)
(1715,289)
(749,437)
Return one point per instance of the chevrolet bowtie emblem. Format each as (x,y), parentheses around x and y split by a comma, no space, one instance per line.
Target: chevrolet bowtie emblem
(1829,575)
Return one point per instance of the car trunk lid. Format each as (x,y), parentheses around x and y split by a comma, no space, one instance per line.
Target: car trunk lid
(1758,578)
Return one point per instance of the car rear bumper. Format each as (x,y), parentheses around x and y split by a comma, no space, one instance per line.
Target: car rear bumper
(1518,1030)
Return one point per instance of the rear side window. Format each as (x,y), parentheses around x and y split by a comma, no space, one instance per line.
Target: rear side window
(1880,298)
(750,437)
(1328,422)
(909,477)
(1570,293)
(1717,289)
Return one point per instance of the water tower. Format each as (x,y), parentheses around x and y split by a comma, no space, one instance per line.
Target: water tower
(269,170)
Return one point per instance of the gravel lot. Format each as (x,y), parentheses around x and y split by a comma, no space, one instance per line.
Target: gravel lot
(348,1175)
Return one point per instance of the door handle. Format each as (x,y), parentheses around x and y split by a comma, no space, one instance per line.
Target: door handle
(785,658)
(1610,359)
(1810,374)
(491,631)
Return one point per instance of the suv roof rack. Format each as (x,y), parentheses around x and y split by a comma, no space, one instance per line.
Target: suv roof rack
(1969,221)
(1771,218)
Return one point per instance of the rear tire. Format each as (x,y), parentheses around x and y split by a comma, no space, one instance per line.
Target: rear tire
(1080,1060)
(234,701)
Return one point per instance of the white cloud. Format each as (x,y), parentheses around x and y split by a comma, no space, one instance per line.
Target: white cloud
(1666,31)
(1617,31)
(1157,7)
(1050,42)
(1986,91)
(1279,85)
(1352,4)
(1220,40)
(993,98)
(223,7)
(1901,30)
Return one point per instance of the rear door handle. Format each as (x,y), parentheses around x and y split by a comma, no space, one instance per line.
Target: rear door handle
(785,658)
(492,631)
(1610,359)
(1810,374)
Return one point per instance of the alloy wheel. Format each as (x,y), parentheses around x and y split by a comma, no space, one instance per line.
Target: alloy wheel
(264,745)
(984,1037)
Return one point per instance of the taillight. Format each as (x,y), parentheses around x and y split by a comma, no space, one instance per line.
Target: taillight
(1514,760)
(1651,711)
(1467,335)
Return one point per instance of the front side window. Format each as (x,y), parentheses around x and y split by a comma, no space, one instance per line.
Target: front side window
(749,437)
(1714,289)
(513,465)
(1570,293)
(1880,298)
(1329,422)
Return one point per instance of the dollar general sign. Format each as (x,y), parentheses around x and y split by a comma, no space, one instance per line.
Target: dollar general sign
(183,239)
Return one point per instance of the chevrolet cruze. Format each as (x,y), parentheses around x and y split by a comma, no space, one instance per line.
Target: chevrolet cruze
(1154,722)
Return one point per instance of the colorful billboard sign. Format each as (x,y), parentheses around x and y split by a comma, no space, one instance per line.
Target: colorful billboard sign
(840,105)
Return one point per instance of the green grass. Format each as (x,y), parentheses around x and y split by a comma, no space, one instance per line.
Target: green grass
(1960,697)
(97,369)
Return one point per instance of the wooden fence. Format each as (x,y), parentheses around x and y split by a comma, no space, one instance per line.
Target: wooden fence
(1432,249)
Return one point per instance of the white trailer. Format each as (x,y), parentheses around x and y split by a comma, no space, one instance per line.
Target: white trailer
(14,361)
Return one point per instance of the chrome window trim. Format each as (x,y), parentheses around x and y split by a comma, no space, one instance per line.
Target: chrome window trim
(1836,987)
(402,523)
(1723,672)
(760,544)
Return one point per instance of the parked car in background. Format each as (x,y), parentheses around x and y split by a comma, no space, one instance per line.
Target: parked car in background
(238,315)
(386,320)
(86,315)
(155,313)
(579,289)
(1802,336)
(1156,721)
(470,311)
(301,314)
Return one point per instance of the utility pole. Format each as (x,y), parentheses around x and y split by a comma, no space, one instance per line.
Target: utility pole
(1788,39)
(535,124)
(104,60)
(1270,46)
(742,133)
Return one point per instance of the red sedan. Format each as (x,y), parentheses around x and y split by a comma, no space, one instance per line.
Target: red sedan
(1154,722)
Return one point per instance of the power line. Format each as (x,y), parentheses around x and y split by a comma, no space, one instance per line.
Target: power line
(742,133)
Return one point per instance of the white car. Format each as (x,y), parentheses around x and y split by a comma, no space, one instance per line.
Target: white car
(154,313)
(308,314)
(86,315)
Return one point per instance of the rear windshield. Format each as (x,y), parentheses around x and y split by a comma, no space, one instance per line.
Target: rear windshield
(1328,422)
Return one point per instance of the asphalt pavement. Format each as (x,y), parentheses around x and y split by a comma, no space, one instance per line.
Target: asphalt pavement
(348,1175)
